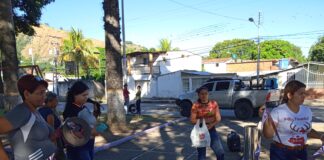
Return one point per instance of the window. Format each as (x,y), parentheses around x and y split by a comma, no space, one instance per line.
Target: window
(197,82)
(185,85)
(290,76)
(222,86)
(217,64)
(145,61)
(209,86)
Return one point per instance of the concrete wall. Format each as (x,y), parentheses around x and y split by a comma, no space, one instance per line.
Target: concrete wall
(283,77)
(178,60)
(169,85)
(213,68)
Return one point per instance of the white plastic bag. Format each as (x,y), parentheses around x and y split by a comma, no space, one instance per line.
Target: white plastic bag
(200,135)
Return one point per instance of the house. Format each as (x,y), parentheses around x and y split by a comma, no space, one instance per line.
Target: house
(246,67)
(216,65)
(143,68)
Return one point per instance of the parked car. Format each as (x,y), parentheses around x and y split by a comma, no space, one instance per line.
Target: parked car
(231,94)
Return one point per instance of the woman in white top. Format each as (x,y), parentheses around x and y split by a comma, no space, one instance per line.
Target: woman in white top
(293,123)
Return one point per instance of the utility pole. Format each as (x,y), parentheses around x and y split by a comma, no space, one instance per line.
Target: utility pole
(258,63)
(258,58)
(124,45)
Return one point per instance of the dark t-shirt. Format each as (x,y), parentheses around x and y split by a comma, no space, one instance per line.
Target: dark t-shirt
(30,135)
(46,111)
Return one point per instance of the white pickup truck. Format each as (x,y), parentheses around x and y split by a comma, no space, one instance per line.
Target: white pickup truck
(232,94)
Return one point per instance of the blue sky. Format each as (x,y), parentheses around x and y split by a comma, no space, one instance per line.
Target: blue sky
(196,25)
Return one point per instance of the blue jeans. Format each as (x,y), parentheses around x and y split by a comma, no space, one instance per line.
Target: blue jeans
(277,153)
(215,145)
(84,152)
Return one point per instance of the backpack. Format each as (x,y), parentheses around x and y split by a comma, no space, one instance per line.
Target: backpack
(233,142)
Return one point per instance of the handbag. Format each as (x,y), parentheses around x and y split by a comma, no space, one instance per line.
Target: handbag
(200,135)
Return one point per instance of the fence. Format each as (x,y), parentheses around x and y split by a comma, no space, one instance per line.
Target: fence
(313,78)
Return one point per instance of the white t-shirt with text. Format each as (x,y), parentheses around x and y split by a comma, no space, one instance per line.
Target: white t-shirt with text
(292,127)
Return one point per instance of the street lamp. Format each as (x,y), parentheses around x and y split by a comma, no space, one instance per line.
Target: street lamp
(258,60)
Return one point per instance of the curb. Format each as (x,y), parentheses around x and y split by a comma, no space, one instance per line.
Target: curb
(128,138)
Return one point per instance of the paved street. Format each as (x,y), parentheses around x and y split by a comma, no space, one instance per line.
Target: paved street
(173,142)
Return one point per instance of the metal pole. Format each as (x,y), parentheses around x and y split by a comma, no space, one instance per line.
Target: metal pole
(258,61)
(307,79)
(124,44)
(32,55)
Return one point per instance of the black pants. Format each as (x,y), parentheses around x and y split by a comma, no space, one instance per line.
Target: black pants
(138,106)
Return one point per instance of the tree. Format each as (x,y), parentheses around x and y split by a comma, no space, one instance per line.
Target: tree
(15,16)
(9,60)
(165,45)
(277,49)
(27,14)
(114,88)
(21,42)
(244,48)
(79,50)
(316,52)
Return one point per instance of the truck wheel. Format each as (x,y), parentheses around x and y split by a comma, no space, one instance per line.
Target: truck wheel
(243,110)
(185,108)
(132,108)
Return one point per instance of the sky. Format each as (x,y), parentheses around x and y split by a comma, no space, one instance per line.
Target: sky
(196,25)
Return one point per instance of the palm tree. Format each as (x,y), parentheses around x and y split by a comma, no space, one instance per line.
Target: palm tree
(114,74)
(79,50)
(9,60)
(165,45)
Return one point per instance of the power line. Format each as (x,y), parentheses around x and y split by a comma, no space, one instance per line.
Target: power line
(208,12)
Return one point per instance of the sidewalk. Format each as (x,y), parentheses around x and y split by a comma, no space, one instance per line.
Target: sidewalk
(173,142)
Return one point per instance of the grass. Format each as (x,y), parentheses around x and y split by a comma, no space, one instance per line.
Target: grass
(2,112)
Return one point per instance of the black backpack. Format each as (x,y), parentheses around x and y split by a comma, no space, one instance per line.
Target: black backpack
(233,142)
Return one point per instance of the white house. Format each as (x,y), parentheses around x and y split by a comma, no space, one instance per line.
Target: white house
(216,65)
(144,68)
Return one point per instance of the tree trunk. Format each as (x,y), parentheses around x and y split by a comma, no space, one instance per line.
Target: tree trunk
(114,74)
(9,55)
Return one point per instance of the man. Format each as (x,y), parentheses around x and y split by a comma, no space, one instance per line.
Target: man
(126,95)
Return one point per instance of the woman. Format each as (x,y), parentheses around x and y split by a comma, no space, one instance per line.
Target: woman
(208,110)
(52,118)
(293,123)
(28,133)
(77,96)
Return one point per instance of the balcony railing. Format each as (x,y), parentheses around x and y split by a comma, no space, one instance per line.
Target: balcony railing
(141,70)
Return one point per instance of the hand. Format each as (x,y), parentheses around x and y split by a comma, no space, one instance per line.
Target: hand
(210,126)
(322,139)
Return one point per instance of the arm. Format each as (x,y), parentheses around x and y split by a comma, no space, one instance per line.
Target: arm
(217,119)
(268,130)
(193,117)
(5,125)
(314,134)
(3,154)
(50,120)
